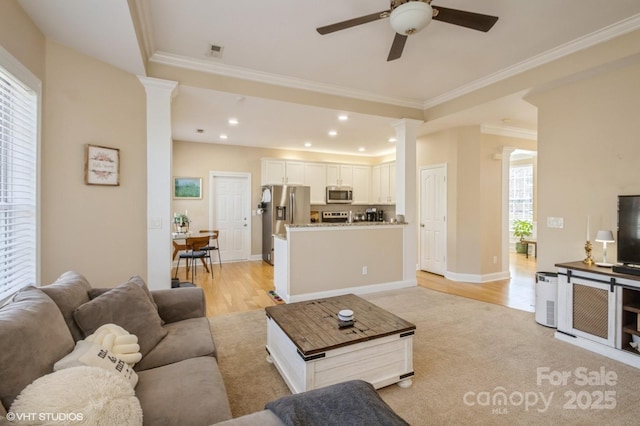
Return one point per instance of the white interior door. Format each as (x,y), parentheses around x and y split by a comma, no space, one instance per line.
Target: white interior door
(433,219)
(231,214)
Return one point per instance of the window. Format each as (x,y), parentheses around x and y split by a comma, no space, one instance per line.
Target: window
(520,194)
(18,177)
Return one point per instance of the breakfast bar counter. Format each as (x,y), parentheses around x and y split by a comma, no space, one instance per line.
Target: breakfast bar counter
(329,259)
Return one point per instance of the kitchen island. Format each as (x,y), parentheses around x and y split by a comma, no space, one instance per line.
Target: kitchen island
(328,259)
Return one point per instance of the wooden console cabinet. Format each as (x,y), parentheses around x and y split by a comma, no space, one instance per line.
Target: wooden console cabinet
(598,310)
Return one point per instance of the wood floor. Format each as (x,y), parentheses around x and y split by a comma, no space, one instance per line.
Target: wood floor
(244,286)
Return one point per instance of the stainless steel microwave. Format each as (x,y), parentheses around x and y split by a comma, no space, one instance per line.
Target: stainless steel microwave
(339,195)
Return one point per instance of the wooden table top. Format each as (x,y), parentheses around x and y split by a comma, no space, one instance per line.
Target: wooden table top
(313,325)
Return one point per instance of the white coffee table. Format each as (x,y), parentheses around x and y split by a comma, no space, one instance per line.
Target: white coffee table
(310,351)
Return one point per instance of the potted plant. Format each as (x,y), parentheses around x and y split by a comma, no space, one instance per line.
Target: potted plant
(181,222)
(522,229)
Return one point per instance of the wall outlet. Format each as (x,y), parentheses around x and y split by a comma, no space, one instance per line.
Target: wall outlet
(495,260)
(364,270)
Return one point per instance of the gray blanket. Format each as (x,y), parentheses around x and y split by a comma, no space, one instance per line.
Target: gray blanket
(355,402)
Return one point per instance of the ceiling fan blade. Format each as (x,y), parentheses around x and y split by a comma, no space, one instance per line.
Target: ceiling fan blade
(397,47)
(475,21)
(353,22)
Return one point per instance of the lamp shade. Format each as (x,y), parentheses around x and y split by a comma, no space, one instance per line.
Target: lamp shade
(411,17)
(604,237)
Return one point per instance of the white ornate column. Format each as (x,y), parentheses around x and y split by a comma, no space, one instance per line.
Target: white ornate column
(406,135)
(159,166)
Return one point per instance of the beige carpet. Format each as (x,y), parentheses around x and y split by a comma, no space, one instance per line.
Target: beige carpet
(466,355)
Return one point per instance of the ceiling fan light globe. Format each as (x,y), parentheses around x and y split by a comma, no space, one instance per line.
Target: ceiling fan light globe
(411,17)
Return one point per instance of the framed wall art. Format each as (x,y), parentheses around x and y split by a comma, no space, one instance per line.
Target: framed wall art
(187,188)
(102,166)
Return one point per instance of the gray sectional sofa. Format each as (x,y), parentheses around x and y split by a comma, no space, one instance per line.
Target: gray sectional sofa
(179,382)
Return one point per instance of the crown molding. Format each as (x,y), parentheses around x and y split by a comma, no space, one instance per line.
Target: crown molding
(620,28)
(276,79)
(143,21)
(512,132)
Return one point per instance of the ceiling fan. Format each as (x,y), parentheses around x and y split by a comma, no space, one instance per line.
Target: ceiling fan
(410,16)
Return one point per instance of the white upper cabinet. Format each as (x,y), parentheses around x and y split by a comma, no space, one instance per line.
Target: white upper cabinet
(315,176)
(383,183)
(339,175)
(282,172)
(361,185)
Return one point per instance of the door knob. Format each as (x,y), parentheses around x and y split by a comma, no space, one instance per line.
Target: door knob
(422,225)
(245,225)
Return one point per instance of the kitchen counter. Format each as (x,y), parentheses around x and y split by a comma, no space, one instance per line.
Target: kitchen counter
(342,224)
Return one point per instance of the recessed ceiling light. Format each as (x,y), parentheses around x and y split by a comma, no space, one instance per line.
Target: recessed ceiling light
(307,144)
(392,140)
(223,136)
(333,133)
(233,121)
(343,117)
(361,149)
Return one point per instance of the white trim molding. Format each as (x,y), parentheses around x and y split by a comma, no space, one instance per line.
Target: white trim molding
(372,288)
(620,28)
(277,79)
(477,278)
(513,132)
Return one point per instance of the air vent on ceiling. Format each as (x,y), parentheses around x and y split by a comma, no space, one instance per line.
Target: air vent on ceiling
(215,51)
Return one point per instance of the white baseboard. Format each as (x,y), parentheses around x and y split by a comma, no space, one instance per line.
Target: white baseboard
(477,278)
(373,288)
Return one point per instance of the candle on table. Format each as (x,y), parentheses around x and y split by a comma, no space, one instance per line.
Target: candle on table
(588,219)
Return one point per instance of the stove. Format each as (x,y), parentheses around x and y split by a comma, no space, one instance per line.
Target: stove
(335,217)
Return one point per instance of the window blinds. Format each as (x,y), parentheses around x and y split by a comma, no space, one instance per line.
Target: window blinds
(18,158)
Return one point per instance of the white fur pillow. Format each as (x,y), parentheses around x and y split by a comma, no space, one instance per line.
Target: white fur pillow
(91,355)
(79,395)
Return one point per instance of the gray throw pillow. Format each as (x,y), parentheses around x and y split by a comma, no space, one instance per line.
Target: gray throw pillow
(127,306)
(33,337)
(137,279)
(69,291)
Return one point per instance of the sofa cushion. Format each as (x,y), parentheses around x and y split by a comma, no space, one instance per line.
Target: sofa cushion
(127,306)
(262,418)
(34,336)
(186,392)
(69,291)
(185,339)
(88,395)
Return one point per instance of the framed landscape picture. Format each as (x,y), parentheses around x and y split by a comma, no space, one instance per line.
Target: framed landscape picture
(102,166)
(187,188)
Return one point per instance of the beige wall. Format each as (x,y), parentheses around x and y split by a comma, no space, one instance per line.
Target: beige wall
(588,153)
(99,231)
(474,198)
(198,159)
(20,37)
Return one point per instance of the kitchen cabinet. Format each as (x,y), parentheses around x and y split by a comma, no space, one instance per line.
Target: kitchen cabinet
(339,175)
(315,177)
(383,183)
(361,185)
(282,172)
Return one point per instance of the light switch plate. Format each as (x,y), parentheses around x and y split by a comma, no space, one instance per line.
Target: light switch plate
(555,222)
(155,223)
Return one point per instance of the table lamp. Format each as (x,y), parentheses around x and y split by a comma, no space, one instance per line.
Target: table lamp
(604,237)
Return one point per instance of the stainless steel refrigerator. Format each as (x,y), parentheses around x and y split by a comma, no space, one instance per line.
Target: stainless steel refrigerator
(282,205)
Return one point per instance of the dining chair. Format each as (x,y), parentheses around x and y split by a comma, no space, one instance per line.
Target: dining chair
(195,250)
(180,247)
(214,243)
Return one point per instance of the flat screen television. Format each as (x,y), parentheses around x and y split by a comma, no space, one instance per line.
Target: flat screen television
(629,230)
